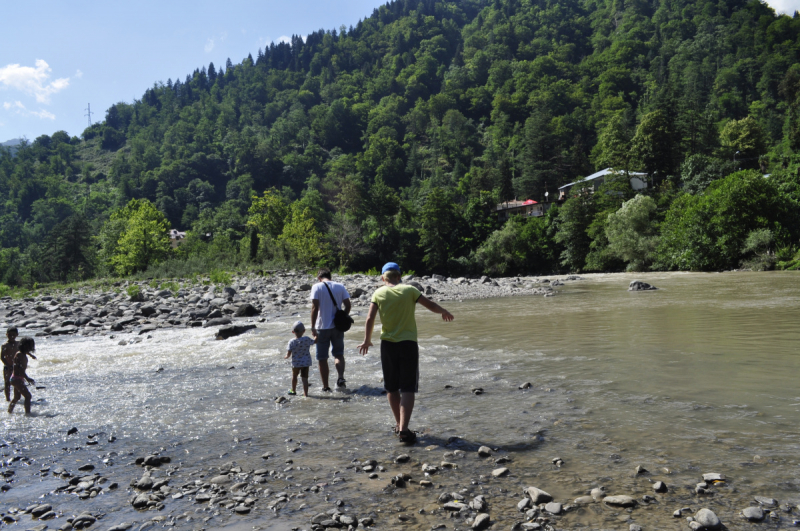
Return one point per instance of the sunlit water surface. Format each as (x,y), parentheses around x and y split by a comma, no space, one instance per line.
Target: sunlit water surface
(699,376)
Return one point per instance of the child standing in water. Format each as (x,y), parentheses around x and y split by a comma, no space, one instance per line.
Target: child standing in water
(301,356)
(7,353)
(18,375)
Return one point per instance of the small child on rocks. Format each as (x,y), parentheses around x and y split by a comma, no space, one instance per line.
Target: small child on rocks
(298,350)
(19,375)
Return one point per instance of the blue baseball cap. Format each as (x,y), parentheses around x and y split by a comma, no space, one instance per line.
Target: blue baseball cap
(390,266)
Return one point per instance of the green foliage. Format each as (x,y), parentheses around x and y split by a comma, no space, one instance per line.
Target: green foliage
(708,232)
(220,277)
(134,291)
(632,233)
(403,130)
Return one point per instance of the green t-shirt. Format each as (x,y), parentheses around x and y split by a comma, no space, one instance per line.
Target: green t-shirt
(396,306)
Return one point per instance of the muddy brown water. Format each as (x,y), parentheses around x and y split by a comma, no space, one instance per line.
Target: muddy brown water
(697,377)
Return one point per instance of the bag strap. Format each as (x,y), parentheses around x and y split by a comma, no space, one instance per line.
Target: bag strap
(335,305)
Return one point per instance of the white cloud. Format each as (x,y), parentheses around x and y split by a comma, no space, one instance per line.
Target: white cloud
(785,6)
(209,45)
(19,108)
(78,74)
(284,38)
(33,80)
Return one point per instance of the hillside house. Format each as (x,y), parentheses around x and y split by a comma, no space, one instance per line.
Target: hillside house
(528,207)
(593,181)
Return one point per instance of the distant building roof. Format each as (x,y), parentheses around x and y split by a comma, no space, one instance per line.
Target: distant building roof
(603,173)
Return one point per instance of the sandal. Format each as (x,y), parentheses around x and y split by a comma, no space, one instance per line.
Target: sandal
(326,389)
(291,393)
(408,437)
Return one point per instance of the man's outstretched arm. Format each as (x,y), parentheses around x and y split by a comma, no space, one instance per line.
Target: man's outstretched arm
(363,348)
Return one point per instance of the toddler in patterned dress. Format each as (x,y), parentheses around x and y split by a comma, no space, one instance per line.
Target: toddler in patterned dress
(298,350)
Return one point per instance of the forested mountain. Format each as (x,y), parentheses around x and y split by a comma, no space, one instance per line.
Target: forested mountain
(395,139)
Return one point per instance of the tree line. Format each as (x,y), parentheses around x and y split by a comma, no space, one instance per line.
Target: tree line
(396,138)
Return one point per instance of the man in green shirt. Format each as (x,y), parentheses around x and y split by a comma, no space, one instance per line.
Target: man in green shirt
(396,304)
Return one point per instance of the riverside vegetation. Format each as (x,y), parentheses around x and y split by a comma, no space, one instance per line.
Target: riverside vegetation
(395,139)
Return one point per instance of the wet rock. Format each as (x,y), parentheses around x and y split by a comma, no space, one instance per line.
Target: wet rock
(481,522)
(402,458)
(147,311)
(242,509)
(145,483)
(640,470)
(500,472)
(445,497)
(620,501)
(754,514)
(479,504)
(707,519)
(86,468)
(484,451)
(64,330)
(83,520)
(584,500)
(526,385)
(523,505)
(453,506)
(233,330)
(220,321)
(246,310)
(39,510)
(219,480)
(635,527)
(712,477)
(769,502)
(538,496)
(598,493)
(660,486)
(638,285)
(140,501)
(553,508)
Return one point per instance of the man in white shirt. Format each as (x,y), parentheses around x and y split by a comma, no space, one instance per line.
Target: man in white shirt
(323,295)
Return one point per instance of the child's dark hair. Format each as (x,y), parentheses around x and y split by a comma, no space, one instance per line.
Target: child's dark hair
(12,329)
(26,344)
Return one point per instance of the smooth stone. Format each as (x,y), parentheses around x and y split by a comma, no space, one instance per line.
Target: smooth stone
(620,501)
(219,480)
(453,506)
(233,330)
(523,504)
(754,514)
(140,501)
(598,493)
(500,472)
(538,495)
(145,483)
(482,521)
(638,285)
(220,321)
(526,385)
(553,508)
(706,518)
(584,500)
(660,486)
(484,451)
(708,478)
(635,527)
(402,458)
(769,502)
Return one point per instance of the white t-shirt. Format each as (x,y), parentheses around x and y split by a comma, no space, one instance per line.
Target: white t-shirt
(326,308)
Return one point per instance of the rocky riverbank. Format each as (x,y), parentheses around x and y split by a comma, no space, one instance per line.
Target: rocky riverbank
(144,307)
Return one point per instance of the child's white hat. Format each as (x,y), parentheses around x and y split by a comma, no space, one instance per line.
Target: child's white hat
(298,326)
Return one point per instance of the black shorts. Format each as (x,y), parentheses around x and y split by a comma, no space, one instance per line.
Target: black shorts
(400,363)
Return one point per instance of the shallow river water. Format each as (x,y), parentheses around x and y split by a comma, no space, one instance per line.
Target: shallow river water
(697,377)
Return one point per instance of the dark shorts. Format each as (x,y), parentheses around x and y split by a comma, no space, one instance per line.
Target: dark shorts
(400,363)
(302,371)
(330,339)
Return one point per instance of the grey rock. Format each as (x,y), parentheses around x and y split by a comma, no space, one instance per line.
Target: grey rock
(233,330)
(219,480)
(453,506)
(140,501)
(500,472)
(598,493)
(553,508)
(709,478)
(538,496)
(660,486)
(769,502)
(64,330)
(526,385)
(635,527)
(481,522)
(638,285)
(584,500)
(246,310)
(484,451)
(220,321)
(147,311)
(228,292)
(39,510)
(402,458)
(145,483)
(754,514)
(416,285)
(620,501)
(524,504)
(706,518)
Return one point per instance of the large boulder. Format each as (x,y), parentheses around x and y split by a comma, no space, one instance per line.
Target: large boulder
(233,330)
(220,321)
(246,310)
(707,519)
(538,495)
(638,285)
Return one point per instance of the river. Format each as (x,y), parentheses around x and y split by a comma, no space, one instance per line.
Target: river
(695,377)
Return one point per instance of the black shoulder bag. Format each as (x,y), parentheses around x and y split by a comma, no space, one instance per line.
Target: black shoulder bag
(341,321)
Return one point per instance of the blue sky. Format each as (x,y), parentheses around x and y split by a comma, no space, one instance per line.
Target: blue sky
(56,57)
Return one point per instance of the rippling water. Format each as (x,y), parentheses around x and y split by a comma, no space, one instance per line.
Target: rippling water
(699,376)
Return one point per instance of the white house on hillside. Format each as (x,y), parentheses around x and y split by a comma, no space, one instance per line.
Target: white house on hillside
(594,180)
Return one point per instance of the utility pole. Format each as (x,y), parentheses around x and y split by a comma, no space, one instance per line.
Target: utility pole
(88,110)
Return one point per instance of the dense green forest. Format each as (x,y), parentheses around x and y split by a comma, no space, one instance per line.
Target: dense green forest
(396,138)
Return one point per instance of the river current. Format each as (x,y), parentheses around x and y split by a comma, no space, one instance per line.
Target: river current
(696,377)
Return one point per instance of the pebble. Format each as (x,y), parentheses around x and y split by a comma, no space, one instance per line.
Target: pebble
(538,496)
(706,518)
(620,501)
(481,522)
(660,486)
(553,508)
(484,451)
(754,514)
(500,472)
